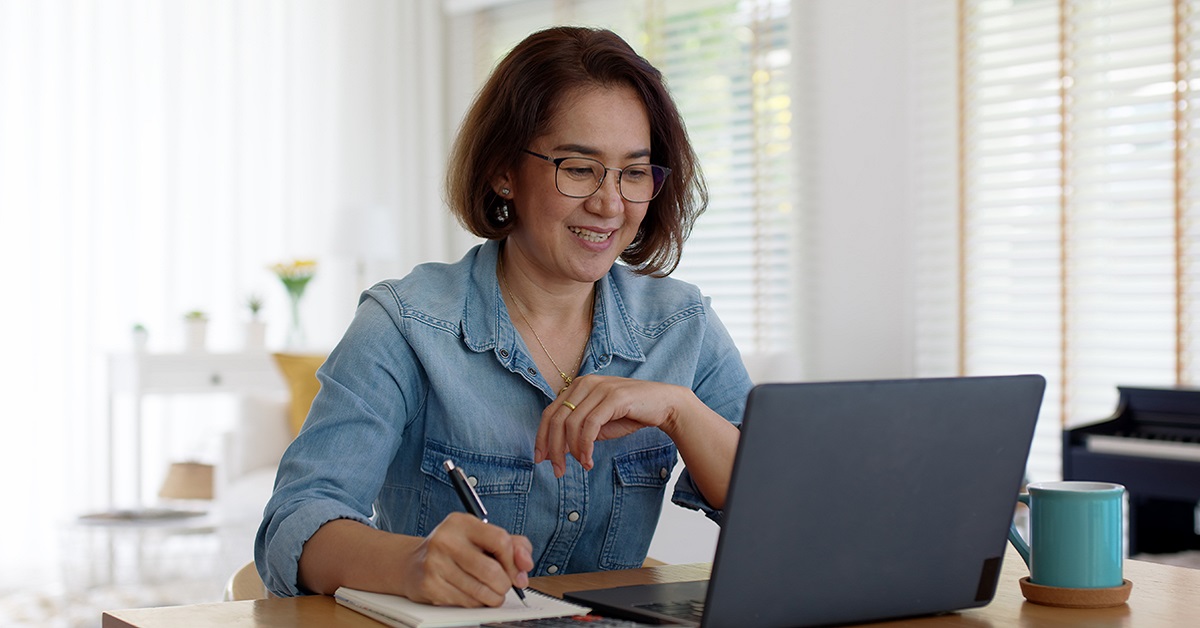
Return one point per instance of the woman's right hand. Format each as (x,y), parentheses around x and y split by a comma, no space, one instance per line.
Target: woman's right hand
(466,562)
(462,562)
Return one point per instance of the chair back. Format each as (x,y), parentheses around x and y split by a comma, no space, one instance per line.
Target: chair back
(245,584)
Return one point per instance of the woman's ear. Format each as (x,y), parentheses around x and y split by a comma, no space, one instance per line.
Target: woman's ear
(502,186)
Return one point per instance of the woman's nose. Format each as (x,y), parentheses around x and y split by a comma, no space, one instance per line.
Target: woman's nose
(607,200)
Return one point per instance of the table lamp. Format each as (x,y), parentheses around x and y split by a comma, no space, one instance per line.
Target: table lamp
(188,480)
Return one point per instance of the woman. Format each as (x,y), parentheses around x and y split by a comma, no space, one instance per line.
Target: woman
(563,383)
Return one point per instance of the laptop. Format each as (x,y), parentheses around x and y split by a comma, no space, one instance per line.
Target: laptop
(857,502)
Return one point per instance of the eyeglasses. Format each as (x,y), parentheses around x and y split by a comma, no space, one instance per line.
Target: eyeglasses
(580,177)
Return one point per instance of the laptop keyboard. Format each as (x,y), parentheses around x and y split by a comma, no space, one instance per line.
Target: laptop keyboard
(691,610)
(575,621)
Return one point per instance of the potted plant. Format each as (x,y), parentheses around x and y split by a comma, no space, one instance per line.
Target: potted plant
(195,329)
(255,338)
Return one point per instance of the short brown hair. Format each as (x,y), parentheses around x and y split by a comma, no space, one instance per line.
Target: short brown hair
(518,102)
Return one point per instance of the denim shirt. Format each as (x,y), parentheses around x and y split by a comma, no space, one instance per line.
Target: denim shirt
(432,368)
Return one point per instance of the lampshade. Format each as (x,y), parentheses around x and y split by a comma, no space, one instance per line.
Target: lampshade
(188,480)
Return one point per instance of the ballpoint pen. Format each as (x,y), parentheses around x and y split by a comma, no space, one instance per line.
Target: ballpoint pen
(471,502)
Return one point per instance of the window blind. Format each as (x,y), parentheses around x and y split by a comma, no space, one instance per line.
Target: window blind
(727,64)
(1010,308)
(1120,207)
(1073,226)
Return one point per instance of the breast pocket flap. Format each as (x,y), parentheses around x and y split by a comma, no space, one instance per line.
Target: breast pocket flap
(650,468)
(488,473)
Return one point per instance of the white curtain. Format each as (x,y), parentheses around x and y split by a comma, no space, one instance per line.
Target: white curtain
(156,157)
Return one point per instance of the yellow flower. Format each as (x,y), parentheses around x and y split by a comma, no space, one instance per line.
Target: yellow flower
(295,275)
(295,269)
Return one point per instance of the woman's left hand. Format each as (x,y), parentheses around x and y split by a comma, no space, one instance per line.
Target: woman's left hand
(598,407)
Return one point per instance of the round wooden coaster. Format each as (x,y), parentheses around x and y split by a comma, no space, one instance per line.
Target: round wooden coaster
(1075,598)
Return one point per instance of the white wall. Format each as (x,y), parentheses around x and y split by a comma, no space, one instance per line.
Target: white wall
(860,318)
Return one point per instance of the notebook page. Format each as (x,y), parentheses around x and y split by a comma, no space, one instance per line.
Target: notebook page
(405,613)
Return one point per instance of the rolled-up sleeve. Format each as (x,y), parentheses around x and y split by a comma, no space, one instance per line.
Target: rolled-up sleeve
(282,537)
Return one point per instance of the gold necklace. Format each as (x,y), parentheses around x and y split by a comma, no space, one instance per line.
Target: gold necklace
(567,379)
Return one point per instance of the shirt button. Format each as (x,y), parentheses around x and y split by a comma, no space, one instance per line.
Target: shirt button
(504,353)
(531,371)
(473,481)
(663,473)
(552,569)
(573,515)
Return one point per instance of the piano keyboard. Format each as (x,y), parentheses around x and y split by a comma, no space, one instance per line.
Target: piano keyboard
(1127,446)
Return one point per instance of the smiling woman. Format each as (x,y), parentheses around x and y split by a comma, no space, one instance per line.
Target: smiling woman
(574,479)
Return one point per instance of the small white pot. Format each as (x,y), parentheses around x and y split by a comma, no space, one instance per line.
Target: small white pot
(141,338)
(254,336)
(195,335)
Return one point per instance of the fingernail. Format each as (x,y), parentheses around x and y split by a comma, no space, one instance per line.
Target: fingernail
(538,455)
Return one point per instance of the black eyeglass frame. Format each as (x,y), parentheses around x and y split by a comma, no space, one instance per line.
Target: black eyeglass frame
(557,161)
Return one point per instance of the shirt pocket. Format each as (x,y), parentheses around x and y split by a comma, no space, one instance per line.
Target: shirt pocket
(639,480)
(502,483)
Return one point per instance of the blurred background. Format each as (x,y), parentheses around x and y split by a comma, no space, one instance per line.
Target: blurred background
(898,188)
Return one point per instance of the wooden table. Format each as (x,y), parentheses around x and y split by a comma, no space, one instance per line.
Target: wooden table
(1163,595)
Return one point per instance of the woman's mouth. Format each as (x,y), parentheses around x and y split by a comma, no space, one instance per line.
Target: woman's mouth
(590,236)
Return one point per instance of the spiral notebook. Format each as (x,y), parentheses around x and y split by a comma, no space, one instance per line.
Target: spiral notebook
(402,612)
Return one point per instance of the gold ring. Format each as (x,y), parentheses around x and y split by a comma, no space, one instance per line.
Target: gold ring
(568,404)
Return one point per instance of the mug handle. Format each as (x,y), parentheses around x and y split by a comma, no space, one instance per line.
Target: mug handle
(1015,537)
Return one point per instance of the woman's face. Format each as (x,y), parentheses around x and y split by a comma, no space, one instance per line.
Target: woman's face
(564,239)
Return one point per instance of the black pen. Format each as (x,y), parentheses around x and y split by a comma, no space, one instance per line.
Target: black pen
(470,500)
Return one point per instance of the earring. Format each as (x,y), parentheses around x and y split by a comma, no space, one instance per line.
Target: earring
(502,212)
(505,191)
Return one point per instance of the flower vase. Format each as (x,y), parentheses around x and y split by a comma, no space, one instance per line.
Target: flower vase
(295,277)
(295,335)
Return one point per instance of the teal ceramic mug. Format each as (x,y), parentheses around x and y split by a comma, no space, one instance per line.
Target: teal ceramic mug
(1075,532)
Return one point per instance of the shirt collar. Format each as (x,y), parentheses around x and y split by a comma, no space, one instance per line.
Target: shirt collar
(486,325)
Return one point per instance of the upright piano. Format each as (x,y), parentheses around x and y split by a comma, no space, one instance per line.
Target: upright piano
(1151,445)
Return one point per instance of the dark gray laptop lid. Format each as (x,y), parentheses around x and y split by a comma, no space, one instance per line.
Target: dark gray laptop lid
(861,501)
(857,501)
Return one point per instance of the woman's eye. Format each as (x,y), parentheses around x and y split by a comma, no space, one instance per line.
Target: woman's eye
(635,173)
